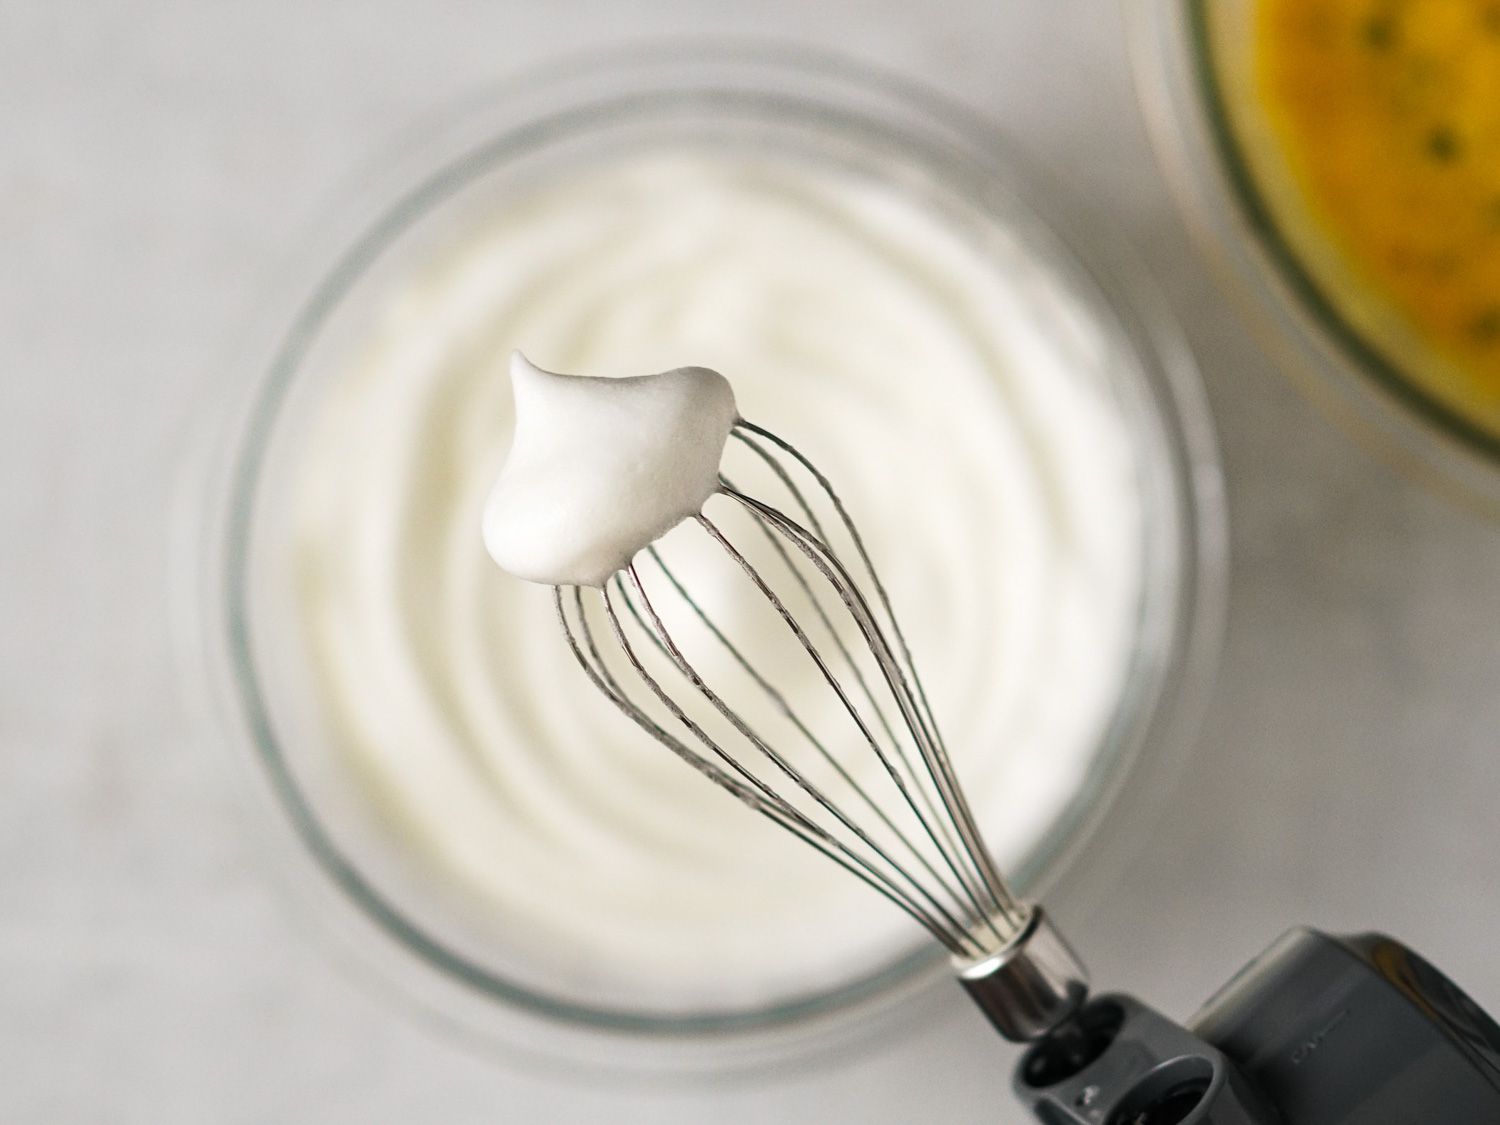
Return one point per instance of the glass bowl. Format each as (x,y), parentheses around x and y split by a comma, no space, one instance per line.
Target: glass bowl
(240,633)
(1194,69)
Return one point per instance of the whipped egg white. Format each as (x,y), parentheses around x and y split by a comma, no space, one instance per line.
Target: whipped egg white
(600,468)
(947,382)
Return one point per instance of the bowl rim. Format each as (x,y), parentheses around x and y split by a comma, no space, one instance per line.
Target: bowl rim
(218,644)
(1235,226)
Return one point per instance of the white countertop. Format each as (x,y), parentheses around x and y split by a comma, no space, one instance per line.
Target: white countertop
(155,161)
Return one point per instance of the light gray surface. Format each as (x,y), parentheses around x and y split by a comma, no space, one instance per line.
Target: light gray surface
(154,162)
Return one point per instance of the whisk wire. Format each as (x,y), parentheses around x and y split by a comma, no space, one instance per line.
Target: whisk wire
(816,525)
(835,637)
(936,868)
(784,707)
(763,801)
(978,912)
(737,721)
(990,878)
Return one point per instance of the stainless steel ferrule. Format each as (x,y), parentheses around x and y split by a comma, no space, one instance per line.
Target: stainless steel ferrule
(1031,985)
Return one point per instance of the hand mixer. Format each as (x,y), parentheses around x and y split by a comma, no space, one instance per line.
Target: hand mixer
(1317,1030)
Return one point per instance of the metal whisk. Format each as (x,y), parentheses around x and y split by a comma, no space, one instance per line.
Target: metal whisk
(788,550)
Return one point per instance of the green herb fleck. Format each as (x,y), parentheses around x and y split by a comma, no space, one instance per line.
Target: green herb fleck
(1379,33)
(1443,145)
(1485,328)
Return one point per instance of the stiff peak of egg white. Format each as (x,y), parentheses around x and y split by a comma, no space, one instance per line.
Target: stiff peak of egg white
(600,468)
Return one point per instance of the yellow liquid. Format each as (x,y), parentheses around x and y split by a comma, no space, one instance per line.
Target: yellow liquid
(1387,117)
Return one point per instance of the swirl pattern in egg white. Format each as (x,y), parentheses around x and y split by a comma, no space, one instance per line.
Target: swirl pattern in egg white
(942,379)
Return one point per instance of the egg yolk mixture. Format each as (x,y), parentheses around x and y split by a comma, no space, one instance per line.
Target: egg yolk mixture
(1388,114)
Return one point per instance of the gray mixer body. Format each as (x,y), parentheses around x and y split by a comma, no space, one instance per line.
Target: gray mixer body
(1317,1030)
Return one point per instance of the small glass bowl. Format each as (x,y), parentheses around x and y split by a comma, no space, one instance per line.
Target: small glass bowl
(1189,56)
(238,636)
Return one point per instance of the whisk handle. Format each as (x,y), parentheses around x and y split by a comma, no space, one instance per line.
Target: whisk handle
(1031,986)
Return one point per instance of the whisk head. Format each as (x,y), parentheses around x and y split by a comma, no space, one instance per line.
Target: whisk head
(814,715)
